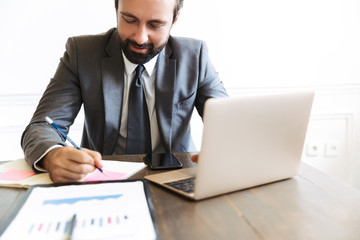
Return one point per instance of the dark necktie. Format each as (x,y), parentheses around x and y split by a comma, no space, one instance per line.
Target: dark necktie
(138,129)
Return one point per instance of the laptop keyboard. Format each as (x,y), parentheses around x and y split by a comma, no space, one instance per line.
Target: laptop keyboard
(185,185)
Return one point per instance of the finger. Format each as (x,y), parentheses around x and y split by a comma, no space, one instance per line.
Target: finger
(96,156)
(70,164)
(77,167)
(74,160)
(59,173)
(63,175)
(194,158)
(80,156)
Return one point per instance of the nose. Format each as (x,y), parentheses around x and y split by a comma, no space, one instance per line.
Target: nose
(141,35)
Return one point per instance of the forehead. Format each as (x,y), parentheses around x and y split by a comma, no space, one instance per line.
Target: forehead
(148,8)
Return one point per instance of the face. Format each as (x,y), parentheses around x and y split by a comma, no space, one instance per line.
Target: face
(144,27)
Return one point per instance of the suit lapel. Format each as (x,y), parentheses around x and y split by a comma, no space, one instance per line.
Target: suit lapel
(112,70)
(164,94)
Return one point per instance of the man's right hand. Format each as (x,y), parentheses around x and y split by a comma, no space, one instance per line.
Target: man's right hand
(68,164)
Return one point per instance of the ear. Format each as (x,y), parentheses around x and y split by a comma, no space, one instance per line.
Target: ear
(176,18)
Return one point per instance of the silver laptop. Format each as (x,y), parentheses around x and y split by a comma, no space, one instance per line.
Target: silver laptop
(247,141)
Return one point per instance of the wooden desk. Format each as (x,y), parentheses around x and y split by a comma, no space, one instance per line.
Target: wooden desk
(308,206)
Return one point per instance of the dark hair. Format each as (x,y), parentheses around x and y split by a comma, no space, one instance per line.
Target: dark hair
(179,4)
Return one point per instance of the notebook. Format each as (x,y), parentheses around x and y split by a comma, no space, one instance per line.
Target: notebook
(247,141)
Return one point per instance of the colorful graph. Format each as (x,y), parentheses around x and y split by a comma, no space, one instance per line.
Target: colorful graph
(52,228)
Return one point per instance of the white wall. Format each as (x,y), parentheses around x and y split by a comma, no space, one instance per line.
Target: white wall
(279,42)
(255,45)
(33,36)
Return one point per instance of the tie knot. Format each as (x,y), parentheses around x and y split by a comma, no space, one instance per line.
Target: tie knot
(139,70)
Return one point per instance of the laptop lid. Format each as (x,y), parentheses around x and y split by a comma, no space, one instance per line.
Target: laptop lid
(251,140)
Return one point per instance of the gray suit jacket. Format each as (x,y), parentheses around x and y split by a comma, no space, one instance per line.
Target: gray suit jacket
(91,73)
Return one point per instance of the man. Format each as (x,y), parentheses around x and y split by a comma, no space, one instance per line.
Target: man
(97,71)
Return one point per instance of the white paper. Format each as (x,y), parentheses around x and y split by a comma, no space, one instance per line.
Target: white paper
(104,211)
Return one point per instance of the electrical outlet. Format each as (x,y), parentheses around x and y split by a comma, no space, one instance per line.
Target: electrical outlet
(312,149)
(331,149)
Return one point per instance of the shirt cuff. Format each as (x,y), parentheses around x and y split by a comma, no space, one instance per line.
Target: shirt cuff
(41,157)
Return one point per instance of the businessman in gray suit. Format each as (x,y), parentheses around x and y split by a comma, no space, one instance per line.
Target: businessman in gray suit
(97,72)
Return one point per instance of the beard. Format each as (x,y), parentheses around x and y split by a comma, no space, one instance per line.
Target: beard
(140,58)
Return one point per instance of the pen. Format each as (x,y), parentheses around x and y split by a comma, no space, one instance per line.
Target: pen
(72,226)
(51,122)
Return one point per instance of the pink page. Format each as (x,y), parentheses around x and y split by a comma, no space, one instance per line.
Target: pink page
(110,175)
(16,175)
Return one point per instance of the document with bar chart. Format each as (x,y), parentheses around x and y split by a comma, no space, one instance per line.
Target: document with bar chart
(113,210)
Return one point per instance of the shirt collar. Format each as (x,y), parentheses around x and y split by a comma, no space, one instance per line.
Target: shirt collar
(149,66)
